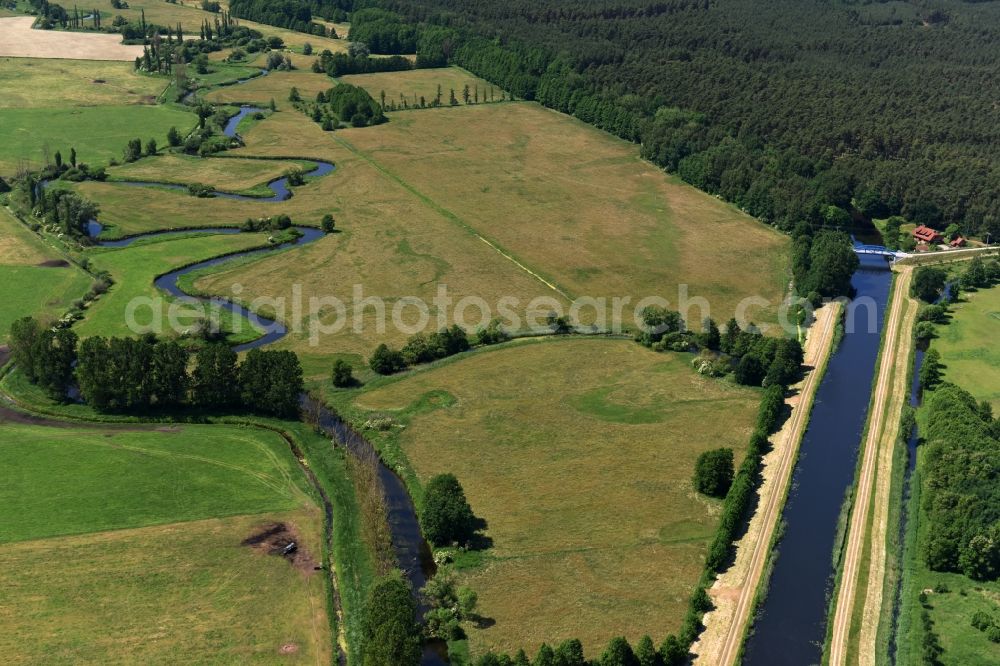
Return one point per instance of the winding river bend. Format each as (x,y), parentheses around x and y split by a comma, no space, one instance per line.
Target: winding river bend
(411,549)
(791,623)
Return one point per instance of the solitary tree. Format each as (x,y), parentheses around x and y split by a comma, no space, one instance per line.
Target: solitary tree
(447,517)
(174,137)
(342,373)
(151,147)
(713,472)
(328,224)
(930,371)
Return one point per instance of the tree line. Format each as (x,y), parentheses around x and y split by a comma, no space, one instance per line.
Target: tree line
(136,375)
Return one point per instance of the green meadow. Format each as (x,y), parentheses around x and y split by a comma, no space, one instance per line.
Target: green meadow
(134,268)
(60,481)
(99,133)
(968,345)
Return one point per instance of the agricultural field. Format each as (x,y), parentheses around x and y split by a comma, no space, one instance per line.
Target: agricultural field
(413,85)
(277,85)
(579,456)
(37,281)
(18,39)
(99,133)
(133,270)
(190,15)
(968,345)
(105,503)
(35,83)
(578,206)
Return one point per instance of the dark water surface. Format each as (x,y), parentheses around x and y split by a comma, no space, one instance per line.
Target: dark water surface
(791,623)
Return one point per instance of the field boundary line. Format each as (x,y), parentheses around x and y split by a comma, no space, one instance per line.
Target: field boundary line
(866,480)
(773,497)
(451,216)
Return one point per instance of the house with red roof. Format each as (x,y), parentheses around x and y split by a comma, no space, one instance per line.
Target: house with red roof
(924,234)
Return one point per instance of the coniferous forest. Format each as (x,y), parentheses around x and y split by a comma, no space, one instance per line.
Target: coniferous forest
(786,108)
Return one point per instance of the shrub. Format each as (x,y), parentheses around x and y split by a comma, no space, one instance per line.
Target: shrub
(713,473)
(342,374)
(386,361)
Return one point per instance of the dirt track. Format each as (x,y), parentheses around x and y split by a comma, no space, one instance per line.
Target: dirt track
(874,479)
(18,39)
(735,589)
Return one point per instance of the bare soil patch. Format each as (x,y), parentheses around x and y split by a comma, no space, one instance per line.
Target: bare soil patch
(282,539)
(17,38)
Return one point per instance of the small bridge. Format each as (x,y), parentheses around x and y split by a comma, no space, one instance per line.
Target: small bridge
(880,250)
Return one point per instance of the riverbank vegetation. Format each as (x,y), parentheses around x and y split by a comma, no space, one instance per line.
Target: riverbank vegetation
(951,560)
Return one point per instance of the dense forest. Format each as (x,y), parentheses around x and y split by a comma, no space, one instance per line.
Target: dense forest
(292,14)
(785,108)
(961,496)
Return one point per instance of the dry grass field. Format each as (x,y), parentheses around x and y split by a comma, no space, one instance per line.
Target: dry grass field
(230,175)
(181,592)
(579,206)
(276,86)
(19,40)
(579,455)
(566,210)
(190,15)
(418,83)
(391,242)
(33,82)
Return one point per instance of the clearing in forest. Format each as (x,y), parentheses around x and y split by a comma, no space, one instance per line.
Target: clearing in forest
(579,455)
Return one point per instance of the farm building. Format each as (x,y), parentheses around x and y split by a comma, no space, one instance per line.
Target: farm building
(924,234)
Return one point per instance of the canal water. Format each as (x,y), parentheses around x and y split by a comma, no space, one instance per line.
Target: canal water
(791,623)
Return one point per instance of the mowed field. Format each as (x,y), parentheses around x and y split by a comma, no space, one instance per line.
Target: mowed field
(136,586)
(413,85)
(18,39)
(33,83)
(579,455)
(968,345)
(99,133)
(30,288)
